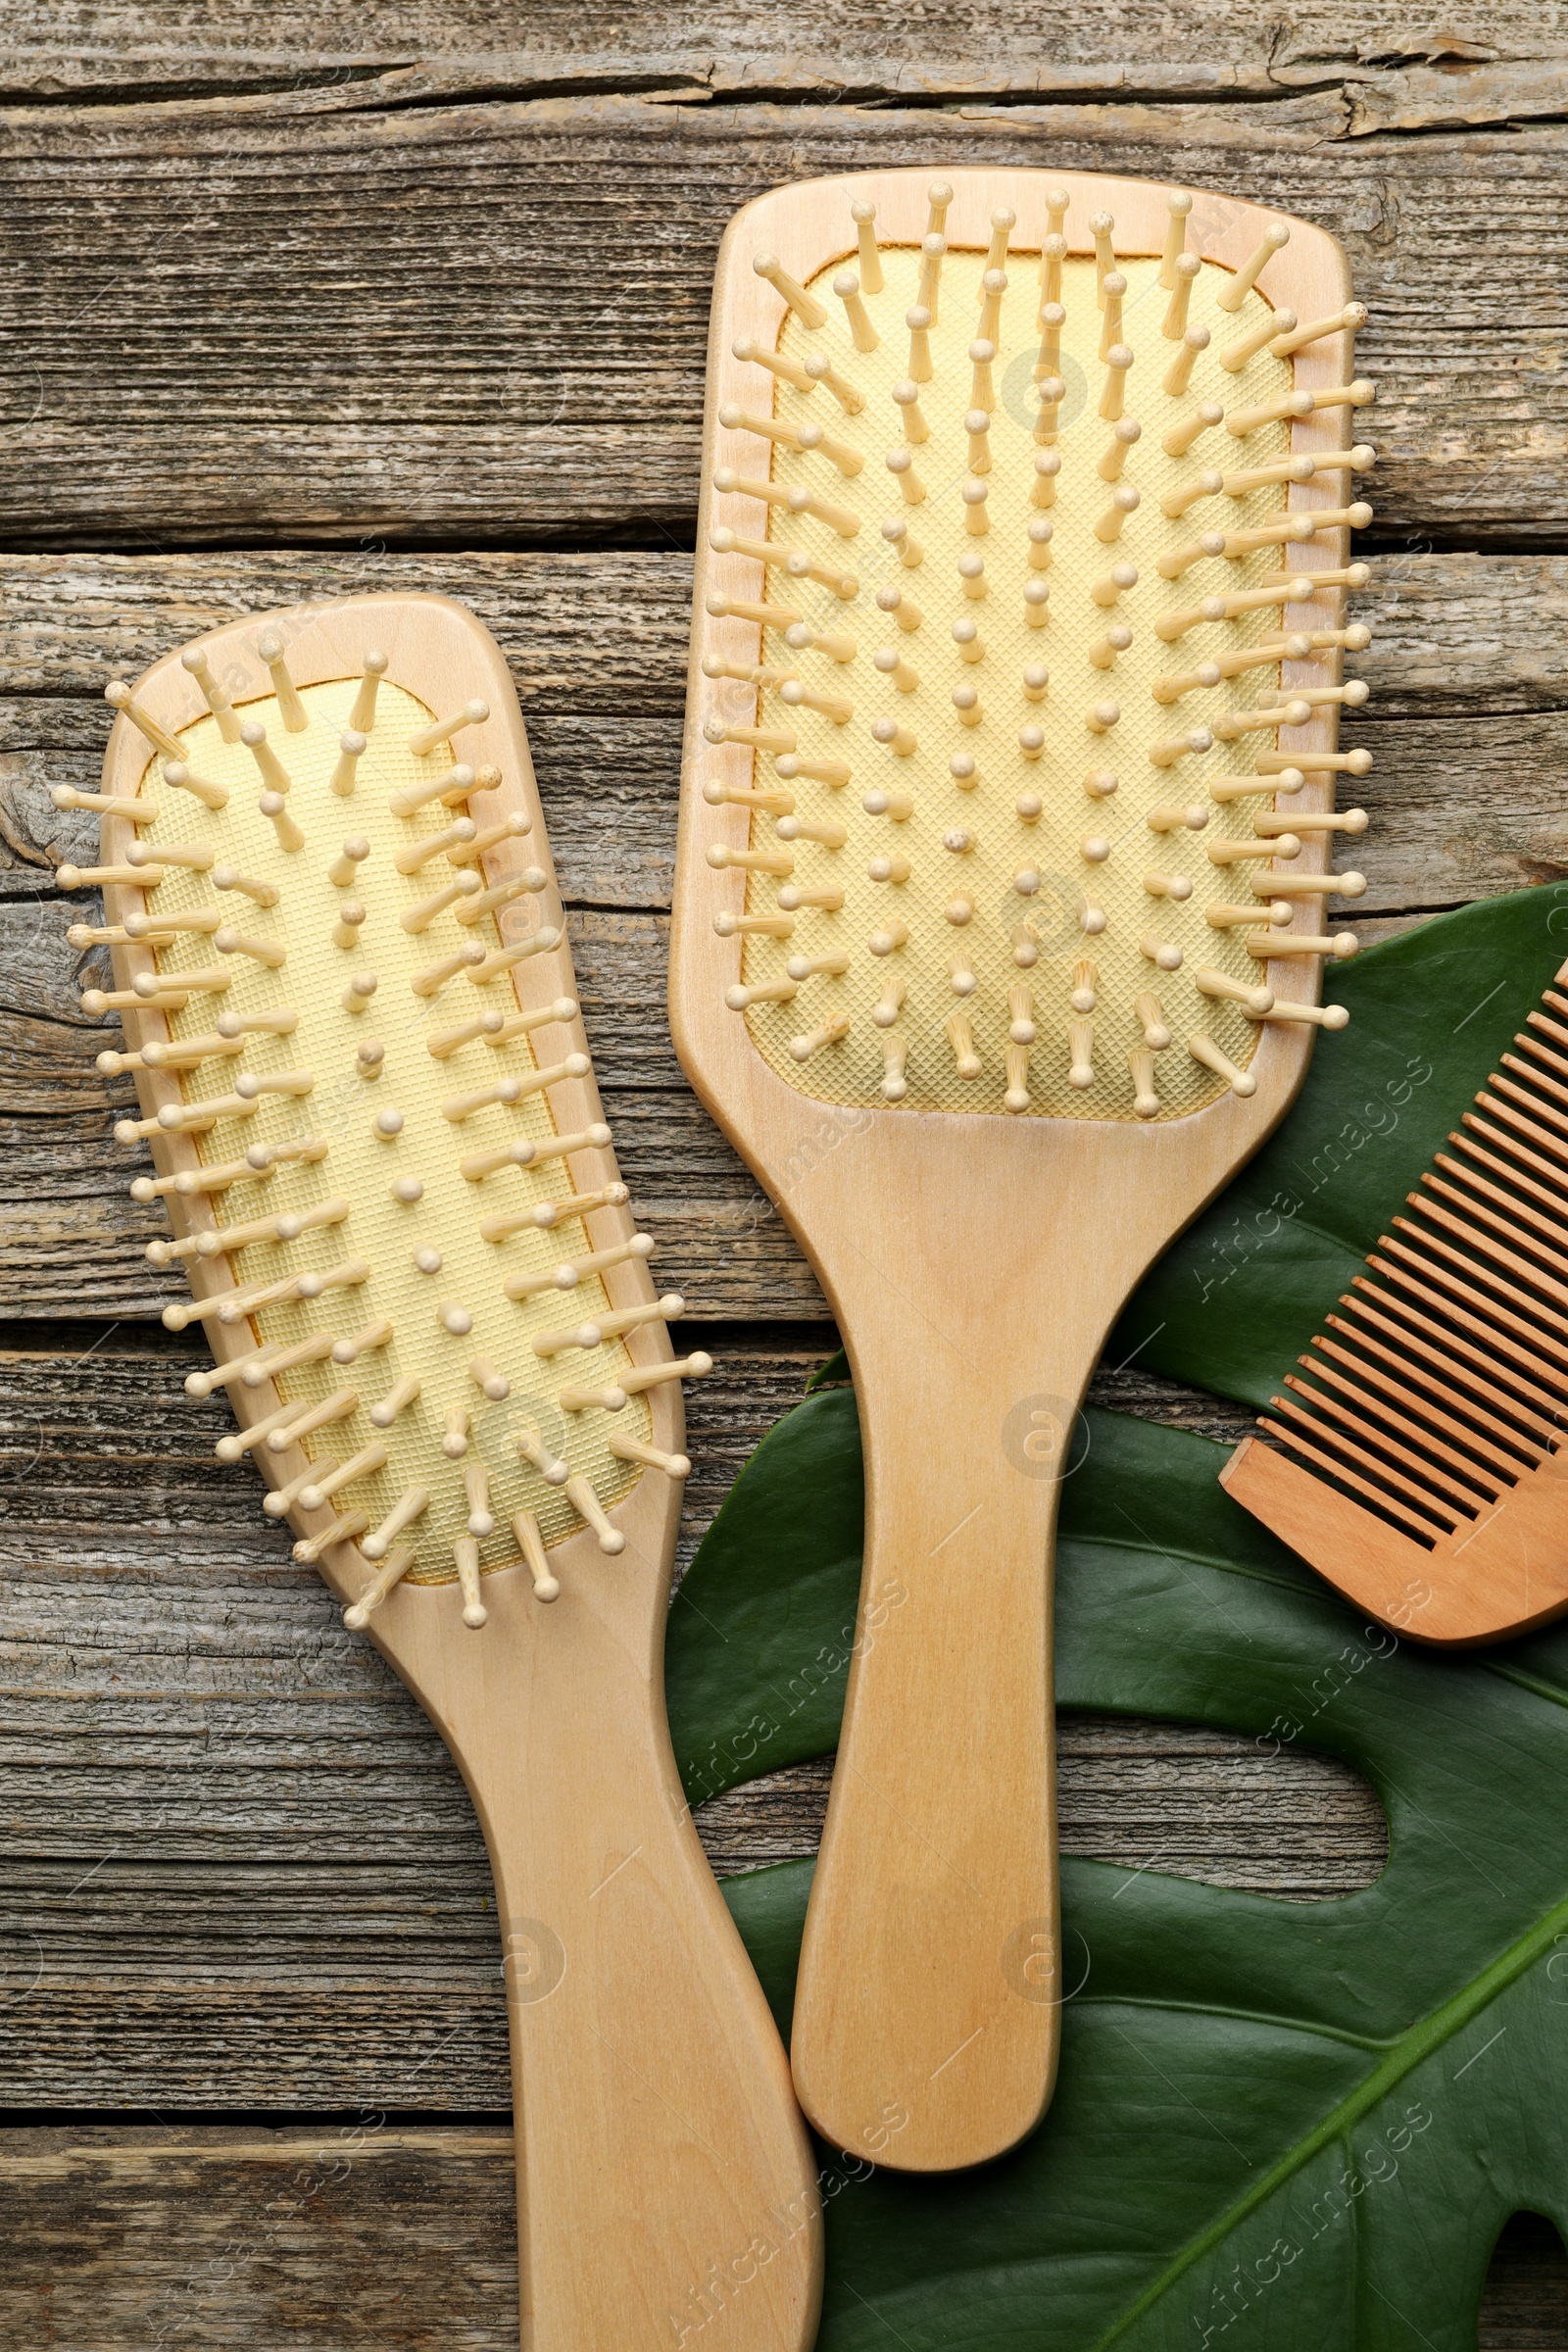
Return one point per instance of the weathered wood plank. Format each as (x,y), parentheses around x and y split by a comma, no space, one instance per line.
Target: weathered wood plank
(1470,795)
(354,58)
(314,387)
(239,1869)
(361,2232)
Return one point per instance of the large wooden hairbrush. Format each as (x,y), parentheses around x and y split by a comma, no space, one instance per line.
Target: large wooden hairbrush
(338,951)
(1019,583)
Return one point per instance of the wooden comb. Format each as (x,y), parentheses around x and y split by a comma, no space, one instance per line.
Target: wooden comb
(1018,600)
(340,959)
(1432,1422)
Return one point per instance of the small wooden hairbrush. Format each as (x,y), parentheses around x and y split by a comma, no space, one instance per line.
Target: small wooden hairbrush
(1422,1470)
(1019,584)
(339,954)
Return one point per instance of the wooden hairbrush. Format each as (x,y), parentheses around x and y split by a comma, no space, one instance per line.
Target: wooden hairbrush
(1424,1471)
(339,954)
(1018,593)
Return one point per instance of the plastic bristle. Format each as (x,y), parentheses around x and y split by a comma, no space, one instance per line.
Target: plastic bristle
(1027,443)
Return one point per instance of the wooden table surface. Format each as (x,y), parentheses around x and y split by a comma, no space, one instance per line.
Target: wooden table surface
(303,301)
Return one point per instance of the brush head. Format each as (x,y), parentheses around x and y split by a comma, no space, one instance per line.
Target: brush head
(1032,734)
(1415,1457)
(375,1120)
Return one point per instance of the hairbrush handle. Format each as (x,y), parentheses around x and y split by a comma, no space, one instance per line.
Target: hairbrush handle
(928,2004)
(664,2178)
(975,1288)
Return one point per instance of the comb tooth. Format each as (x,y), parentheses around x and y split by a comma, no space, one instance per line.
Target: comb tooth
(194,661)
(456,785)
(1221,986)
(270,952)
(1460,1476)
(1179,438)
(1477,1314)
(1231,725)
(1371,1446)
(1549,1230)
(361,718)
(1348,821)
(1536,1078)
(1475,1125)
(1294,1438)
(1471,1229)
(863,334)
(1455,1420)
(1112,288)
(351,749)
(1520,1109)
(1343,1431)
(482,969)
(281,1499)
(1237,919)
(821,371)
(368,1340)
(1474,1368)
(411,1506)
(1225,789)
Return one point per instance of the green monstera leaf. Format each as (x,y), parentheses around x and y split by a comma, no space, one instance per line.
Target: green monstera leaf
(1288,2125)
(1239,1297)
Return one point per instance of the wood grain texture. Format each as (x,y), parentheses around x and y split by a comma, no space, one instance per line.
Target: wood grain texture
(231,1834)
(1468,722)
(360,2230)
(1390,65)
(316,390)
(180,1777)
